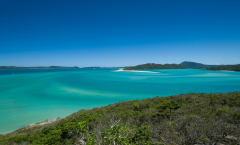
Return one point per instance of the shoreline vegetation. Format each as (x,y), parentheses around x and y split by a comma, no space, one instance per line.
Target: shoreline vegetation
(183,119)
(34,125)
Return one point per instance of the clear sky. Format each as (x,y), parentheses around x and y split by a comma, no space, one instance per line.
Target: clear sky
(118,32)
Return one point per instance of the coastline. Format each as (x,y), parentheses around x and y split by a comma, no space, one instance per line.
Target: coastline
(33,125)
(103,116)
(40,124)
(121,69)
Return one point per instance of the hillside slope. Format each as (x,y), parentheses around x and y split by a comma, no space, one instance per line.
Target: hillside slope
(183,119)
(188,64)
(154,66)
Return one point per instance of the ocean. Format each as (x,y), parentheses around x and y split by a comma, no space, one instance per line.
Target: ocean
(31,96)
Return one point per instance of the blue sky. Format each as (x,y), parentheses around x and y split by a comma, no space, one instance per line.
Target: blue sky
(118,32)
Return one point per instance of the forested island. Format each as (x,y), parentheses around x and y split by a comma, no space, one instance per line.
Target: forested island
(154,66)
(183,65)
(195,65)
(185,119)
(41,67)
(226,68)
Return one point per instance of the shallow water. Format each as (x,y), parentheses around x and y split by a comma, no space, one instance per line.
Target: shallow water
(30,96)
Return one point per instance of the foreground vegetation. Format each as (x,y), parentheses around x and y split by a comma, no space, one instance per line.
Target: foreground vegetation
(187,119)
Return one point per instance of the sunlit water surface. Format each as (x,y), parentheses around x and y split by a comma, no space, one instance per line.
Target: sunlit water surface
(30,96)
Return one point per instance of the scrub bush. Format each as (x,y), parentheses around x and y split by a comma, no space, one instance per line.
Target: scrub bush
(184,119)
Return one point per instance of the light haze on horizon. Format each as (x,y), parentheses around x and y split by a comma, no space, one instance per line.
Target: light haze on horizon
(118,33)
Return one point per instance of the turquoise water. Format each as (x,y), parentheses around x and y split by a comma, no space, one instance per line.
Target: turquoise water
(30,96)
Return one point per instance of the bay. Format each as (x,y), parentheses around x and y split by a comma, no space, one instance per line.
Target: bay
(30,96)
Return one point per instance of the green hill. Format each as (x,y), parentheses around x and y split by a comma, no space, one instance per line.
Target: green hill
(185,119)
(154,66)
(188,64)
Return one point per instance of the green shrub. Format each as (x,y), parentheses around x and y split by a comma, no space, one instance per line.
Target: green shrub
(191,118)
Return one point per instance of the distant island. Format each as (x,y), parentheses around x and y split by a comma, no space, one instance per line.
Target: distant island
(226,68)
(184,65)
(93,67)
(154,66)
(50,67)
(195,65)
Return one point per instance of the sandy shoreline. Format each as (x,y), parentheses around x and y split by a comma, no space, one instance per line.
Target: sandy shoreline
(33,125)
(121,69)
(40,124)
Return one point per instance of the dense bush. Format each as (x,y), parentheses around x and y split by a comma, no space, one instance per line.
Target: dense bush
(184,119)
